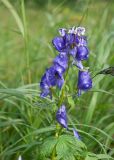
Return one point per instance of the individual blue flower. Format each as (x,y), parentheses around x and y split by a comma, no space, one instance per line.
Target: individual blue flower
(76,134)
(44,85)
(71,46)
(51,78)
(59,43)
(61,116)
(69,39)
(54,77)
(82,53)
(84,81)
(81,40)
(61,60)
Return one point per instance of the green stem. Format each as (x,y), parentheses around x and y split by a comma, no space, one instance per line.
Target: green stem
(61,97)
(60,101)
(26,40)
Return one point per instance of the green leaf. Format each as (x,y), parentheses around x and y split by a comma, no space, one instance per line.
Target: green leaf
(68,147)
(106,71)
(47,146)
(91,158)
(71,101)
(104,156)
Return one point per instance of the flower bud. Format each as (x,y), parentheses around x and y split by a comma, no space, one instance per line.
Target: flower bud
(61,116)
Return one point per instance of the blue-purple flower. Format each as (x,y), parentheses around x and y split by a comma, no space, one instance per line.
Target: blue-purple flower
(73,42)
(59,43)
(82,53)
(61,62)
(84,81)
(51,78)
(76,134)
(44,85)
(70,42)
(61,116)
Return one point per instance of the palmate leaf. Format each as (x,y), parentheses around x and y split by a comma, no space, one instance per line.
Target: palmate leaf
(67,148)
(47,147)
(106,71)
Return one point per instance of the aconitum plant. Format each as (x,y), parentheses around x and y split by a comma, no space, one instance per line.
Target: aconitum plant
(71,42)
(71,45)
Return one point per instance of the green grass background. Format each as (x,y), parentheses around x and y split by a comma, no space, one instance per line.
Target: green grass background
(21,118)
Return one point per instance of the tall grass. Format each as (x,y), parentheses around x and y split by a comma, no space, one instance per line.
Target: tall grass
(25,119)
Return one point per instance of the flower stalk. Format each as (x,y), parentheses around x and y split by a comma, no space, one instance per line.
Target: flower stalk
(71,43)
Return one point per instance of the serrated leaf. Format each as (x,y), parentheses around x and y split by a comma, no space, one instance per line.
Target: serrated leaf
(47,146)
(68,147)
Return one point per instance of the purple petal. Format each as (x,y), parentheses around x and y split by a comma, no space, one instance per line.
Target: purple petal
(80,31)
(44,82)
(81,41)
(79,93)
(62,31)
(62,60)
(60,82)
(72,30)
(82,53)
(51,76)
(76,134)
(73,52)
(84,81)
(45,93)
(59,43)
(59,69)
(69,39)
(78,64)
(61,116)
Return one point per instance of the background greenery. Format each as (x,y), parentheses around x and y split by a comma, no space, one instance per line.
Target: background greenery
(25,119)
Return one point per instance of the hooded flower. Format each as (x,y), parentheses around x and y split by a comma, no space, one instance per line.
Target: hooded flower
(51,78)
(59,43)
(84,81)
(70,42)
(76,134)
(61,61)
(82,53)
(61,116)
(44,85)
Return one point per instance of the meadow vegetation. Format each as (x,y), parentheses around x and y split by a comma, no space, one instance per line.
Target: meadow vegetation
(26,120)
